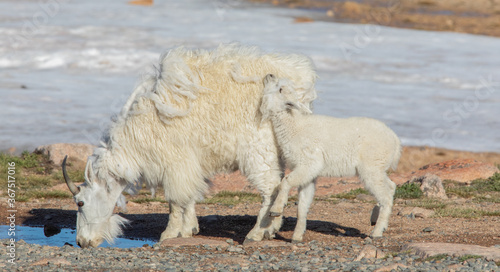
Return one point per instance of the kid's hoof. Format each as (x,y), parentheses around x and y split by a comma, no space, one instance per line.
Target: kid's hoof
(268,235)
(274,214)
(375,214)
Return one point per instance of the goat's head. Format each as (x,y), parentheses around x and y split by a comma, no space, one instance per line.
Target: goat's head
(280,95)
(96,199)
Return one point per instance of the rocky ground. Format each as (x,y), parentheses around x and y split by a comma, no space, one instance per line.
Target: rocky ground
(456,232)
(336,240)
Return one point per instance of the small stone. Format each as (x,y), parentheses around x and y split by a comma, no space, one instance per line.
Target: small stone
(428,229)
(368,251)
(51,230)
(234,249)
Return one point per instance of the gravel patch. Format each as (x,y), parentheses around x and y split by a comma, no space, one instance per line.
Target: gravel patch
(312,256)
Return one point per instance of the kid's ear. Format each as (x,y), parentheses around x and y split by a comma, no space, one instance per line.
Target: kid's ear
(291,105)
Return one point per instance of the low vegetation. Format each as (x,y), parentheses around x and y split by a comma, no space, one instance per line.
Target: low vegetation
(437,257)
(408,191)
(232,198)
(477,189)
(145,199)
(352,194)
(468,257)
(34,176)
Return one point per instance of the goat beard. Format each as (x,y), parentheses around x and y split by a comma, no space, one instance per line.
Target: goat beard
(113,227)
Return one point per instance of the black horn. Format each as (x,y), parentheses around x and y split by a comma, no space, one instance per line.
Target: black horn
(72,187)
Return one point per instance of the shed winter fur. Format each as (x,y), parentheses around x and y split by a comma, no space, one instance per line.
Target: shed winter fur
(197,116)
(315,145)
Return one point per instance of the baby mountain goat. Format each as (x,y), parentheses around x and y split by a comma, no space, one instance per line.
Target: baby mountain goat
(314,145)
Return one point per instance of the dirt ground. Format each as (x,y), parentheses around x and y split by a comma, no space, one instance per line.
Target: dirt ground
(475,17)
(338,223)
(342,223)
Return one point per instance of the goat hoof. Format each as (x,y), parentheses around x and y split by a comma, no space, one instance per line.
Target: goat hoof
(195,231)
(296,241)
(274,214)
(268,235)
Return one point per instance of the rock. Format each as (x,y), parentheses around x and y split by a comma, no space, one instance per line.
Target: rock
(234,249)
(392,267)
(303,19)
(370,251)
(56,261)
(351,8)
(178,242)
(461,170)
(426,250)
(267,244)
(428,229)
(141,2)
(431,185)
(417,212)
(77,153)
(51,230)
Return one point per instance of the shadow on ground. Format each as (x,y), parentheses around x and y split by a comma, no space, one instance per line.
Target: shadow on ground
(150,226)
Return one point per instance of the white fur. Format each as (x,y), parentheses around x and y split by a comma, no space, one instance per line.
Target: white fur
(199,115)
(314,145)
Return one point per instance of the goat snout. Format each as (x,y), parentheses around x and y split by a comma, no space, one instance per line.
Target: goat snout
(84,243)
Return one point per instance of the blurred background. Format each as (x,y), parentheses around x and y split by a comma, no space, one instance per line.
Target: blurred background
(429,69)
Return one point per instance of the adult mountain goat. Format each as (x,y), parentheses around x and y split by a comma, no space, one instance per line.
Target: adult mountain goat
(199,115)
(315,145)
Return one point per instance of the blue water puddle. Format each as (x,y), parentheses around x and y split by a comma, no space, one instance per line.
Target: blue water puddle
(35,235)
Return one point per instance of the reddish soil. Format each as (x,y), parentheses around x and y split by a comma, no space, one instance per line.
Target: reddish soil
(330,221)
(475,17)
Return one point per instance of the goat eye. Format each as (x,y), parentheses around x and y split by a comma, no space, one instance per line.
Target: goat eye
(281,89)
(80,203)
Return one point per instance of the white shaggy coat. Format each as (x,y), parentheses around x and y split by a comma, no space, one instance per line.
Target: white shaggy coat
(199,115)
(314,145)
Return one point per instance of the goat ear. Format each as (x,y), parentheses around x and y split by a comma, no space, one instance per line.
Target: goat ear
(292,105)
(89,172)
